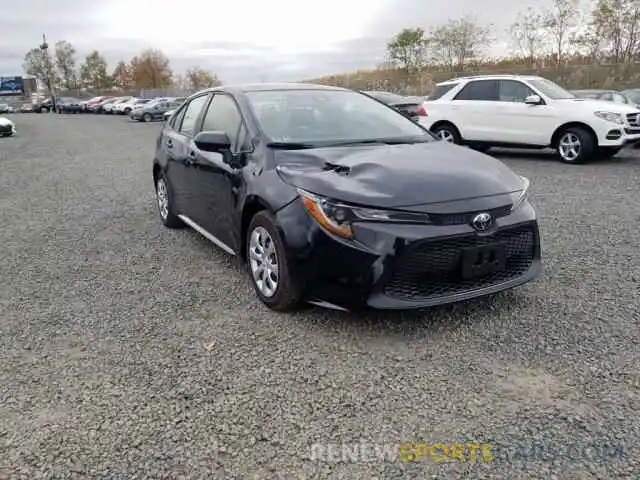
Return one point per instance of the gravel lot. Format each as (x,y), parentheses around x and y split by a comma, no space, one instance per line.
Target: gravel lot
(131,351)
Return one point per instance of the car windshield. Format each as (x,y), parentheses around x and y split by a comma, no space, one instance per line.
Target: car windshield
(315,117)
(633,95)
(551,89)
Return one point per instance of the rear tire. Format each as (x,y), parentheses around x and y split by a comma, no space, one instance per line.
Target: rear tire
(277,288)
(575,145)
(164,201)
(447,132)
(147,117)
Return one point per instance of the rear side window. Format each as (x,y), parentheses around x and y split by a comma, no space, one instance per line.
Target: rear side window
(485,90)
(440,90)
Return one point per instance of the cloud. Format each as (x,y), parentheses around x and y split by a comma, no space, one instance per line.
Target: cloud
(287,41)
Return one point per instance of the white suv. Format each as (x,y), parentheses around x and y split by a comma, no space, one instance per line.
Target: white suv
(528,112)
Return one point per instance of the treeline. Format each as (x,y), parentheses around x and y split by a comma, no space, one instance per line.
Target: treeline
(570,30)
(150,69)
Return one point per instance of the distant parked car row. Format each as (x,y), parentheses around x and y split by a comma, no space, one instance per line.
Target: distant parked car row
(140,109)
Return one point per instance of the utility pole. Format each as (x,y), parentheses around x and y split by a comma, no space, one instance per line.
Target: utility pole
(44,48)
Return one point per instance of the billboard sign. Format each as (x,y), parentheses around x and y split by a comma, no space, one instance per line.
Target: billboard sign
(11,86)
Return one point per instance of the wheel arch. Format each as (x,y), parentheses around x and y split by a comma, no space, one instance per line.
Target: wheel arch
(252,205)
(556,134)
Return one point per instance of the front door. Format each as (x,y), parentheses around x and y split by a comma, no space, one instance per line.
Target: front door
(218,182)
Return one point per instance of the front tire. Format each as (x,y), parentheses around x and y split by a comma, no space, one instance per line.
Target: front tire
(268,266)
(575,145)
(147,117)
(447,133)
(164,200)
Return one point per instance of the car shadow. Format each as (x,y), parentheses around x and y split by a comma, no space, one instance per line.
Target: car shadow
(626,156)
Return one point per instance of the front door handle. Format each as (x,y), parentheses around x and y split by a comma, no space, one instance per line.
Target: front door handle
(191,158)
(169,143)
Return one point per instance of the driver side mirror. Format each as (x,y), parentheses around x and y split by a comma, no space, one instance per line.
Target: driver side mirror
(533,100)
(217,141)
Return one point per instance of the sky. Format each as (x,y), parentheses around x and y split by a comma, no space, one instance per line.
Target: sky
(241,40)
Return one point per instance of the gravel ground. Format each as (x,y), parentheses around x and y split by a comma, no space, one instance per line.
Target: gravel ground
(132,351)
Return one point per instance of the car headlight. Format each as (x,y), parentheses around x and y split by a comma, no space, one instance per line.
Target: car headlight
(610,117)
(521,195)
(338,218)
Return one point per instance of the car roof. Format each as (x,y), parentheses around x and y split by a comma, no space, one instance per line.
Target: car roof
(489,77)
(266,87)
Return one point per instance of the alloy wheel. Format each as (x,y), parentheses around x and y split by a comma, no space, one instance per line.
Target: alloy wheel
(445,135)
(163,198)
(263,260)
(569,147)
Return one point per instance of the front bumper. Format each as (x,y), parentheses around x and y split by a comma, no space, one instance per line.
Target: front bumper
(403,267)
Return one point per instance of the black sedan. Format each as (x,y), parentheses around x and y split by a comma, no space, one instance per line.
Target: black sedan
(337,199)
(410,107)
(69,105)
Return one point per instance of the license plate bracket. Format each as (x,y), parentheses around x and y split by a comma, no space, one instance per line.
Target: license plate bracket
(483,260)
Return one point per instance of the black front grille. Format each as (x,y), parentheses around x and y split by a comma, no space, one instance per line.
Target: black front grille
(433,268)
(632,119)
(466,218)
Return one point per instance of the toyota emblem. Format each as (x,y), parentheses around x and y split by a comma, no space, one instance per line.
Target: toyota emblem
(482,222)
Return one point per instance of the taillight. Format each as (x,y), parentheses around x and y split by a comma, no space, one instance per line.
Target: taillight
(420,111)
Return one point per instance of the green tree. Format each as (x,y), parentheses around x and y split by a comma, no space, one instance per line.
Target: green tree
(198,79)
(93,72)
(458,41)
(408,49)
(617,25)
(66,64)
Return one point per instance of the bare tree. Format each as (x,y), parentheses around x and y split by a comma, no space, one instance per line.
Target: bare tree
(560,22)
(528,34)
(617,23)
(458,41)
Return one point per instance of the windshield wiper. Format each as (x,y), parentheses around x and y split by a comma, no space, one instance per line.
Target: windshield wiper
(290,145)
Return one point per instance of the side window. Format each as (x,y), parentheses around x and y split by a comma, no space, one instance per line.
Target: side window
(513,91)
(176,121)
(440,90)
(191,115)
(486,90)
(223,115)
(607,97)
(618,98)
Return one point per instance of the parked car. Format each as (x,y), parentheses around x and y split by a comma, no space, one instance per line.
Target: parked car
(98,106)
(167,115)
(5,108)
(26,108)
(411,107)
(340,200)
(529,112)
(69,105)
(45,106)
(109,107)
(89,105)
(154,110)
(125,108)
(7,127)
(605,95)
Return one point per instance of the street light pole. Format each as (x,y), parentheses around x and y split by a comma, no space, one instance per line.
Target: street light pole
(44,47)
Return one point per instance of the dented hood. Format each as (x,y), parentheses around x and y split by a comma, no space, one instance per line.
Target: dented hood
(392,176)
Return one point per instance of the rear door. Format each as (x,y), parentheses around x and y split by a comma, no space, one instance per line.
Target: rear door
(177,137)
(473,110)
